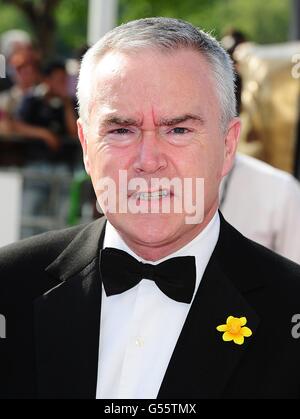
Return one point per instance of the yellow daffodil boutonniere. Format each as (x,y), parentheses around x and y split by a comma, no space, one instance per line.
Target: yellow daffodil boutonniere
(235,330)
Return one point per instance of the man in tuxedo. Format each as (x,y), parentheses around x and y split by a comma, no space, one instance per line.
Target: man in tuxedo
(151,304)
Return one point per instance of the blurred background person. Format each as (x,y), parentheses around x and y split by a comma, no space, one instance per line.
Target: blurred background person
(49,112)
(263,203)
(10,42)
(24,71)
(49,108)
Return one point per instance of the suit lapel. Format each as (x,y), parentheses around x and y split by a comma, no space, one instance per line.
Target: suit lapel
(202,363)
(67,320)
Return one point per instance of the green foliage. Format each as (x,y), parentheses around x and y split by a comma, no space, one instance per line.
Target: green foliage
(11,18)
(263,21)
(71,18)
(72,24)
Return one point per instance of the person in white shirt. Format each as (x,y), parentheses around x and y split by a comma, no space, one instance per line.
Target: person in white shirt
(151,301)
(263,203)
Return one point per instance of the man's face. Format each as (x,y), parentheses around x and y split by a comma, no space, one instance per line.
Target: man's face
(27,75)
(157,115)
(24,64)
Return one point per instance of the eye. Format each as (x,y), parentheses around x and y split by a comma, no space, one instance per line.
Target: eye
(179,135)
(121,131)
(180,130)
(122,136)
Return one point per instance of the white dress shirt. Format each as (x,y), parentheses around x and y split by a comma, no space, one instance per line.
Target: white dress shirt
(263,203)
(140,327)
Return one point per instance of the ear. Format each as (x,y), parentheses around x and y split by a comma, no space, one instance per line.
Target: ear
(231,142)
(83,140)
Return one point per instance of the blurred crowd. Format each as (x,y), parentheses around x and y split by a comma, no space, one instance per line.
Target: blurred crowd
(37,97)
(38,130)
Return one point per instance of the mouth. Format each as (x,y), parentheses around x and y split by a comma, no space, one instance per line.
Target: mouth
(151,196)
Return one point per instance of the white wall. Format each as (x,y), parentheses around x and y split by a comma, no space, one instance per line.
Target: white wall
(10,207)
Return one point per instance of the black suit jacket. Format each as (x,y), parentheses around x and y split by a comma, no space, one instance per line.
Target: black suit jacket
(50,293)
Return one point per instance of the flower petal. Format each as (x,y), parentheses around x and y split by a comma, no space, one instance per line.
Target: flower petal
(246,331)
(239,340)
(227,337)
(229,319)
(243,321)
(222,328)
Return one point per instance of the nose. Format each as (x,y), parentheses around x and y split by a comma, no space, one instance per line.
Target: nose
(150,158)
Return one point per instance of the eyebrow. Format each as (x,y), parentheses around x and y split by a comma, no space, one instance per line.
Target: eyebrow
(119,120)
(179,119)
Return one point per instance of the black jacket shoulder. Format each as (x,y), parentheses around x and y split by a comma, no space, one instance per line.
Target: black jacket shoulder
(22,264)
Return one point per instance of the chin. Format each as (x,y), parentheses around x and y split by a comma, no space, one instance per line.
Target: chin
(155,229)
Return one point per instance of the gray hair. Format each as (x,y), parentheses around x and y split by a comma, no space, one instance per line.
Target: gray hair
(162,34)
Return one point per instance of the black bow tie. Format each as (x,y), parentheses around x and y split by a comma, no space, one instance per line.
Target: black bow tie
(175,277)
